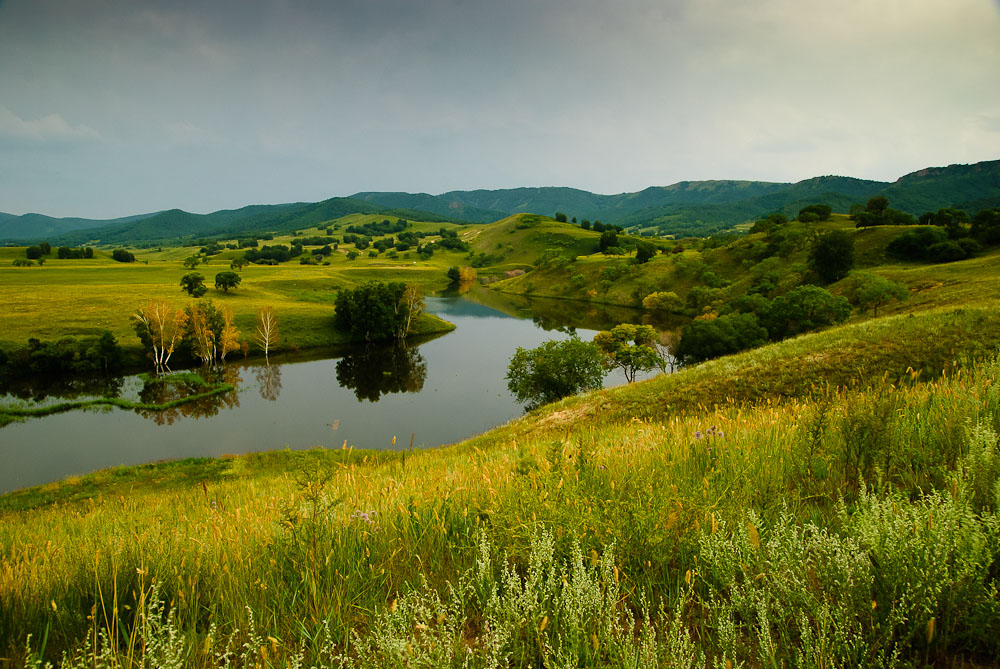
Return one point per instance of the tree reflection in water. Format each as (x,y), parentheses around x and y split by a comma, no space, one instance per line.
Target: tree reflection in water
(166,389)
(268,381)
(374,371)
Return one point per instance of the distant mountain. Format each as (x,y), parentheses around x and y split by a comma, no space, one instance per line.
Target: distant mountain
(435,204)
(34,226)
(178,225)
(705,207)
(694,208)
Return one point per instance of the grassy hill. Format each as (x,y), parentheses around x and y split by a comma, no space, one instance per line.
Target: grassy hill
(832,499)
(838,486)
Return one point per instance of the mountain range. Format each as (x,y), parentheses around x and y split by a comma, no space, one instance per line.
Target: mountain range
(682,209)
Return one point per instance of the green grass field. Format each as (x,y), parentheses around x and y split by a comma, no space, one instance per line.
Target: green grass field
(831,500)
(83,297)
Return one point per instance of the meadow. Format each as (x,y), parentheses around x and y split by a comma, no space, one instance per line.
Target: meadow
(84,297)
(831,500)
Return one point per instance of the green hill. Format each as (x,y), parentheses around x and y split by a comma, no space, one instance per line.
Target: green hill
(38,226)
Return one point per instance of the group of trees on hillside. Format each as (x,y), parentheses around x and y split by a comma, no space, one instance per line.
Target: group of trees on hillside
(558,369)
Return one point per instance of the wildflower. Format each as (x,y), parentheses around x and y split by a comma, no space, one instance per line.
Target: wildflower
(697,434)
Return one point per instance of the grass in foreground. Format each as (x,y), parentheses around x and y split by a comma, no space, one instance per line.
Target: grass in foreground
(835,510)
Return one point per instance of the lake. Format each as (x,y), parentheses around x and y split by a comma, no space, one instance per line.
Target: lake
(440,391)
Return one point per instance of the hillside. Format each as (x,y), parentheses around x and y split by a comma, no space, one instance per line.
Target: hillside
(686,208)
(35,226)
(841,484)
(177,225)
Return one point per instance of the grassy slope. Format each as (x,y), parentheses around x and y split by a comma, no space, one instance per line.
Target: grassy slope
(279,534)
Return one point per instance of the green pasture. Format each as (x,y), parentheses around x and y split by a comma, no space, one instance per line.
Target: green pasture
(83,297)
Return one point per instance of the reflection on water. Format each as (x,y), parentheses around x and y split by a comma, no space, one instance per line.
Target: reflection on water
(441,389)
(373,371)
(162,390)
(268,379)
(63,388)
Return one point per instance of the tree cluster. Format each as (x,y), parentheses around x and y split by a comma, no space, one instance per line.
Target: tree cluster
(377,311)
(121,255)
(755,320)
(100,354)
(932,244)
(878,212)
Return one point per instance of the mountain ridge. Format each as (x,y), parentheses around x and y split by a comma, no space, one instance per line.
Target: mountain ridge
(684,208)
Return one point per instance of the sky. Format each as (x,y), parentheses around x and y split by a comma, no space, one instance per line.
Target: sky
(116,107)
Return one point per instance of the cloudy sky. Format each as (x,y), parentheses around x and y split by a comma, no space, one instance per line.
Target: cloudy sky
(116,107)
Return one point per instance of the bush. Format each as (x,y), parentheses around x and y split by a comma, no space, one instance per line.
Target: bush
(554,370)
(706,339)
(121,255)
(832,256)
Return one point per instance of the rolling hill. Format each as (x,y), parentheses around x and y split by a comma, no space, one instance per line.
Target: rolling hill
(686,208)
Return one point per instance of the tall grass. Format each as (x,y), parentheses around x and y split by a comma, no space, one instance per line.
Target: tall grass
(849,526)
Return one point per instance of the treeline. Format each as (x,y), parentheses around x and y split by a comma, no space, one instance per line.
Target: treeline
(100,354)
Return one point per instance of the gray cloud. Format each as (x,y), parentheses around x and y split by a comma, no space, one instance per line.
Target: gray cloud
(232,102)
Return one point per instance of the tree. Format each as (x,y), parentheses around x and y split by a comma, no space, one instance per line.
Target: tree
(201,331)
(609,239)
(192,261)
(194,284)
(561,217)
(227,280)
(160,328)
(668,302)
(815,212)
(644,251)
(411,303)
(378,311)
(706,339)
(238,263)
(832,255)
(121,255)
(871,290)
(986,226)
(554,370)
(631,348)
(266,333)
(229,337)
(33,252)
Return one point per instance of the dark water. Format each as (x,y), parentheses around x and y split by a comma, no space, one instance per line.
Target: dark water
(440,391)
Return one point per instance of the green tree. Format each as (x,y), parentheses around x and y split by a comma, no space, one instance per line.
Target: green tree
(121,255)
(644,251)
(554,370)
(815,212)
(986,226)
(667,302)
(227,280)
(804,309)
(238,263)
(609,240)
(561,217)
(192,261)
(706,339)
(832,255)
(871,290)
(194,284)
(378,311)
(631,348)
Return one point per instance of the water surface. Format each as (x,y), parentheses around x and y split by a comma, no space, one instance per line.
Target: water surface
(437,392)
